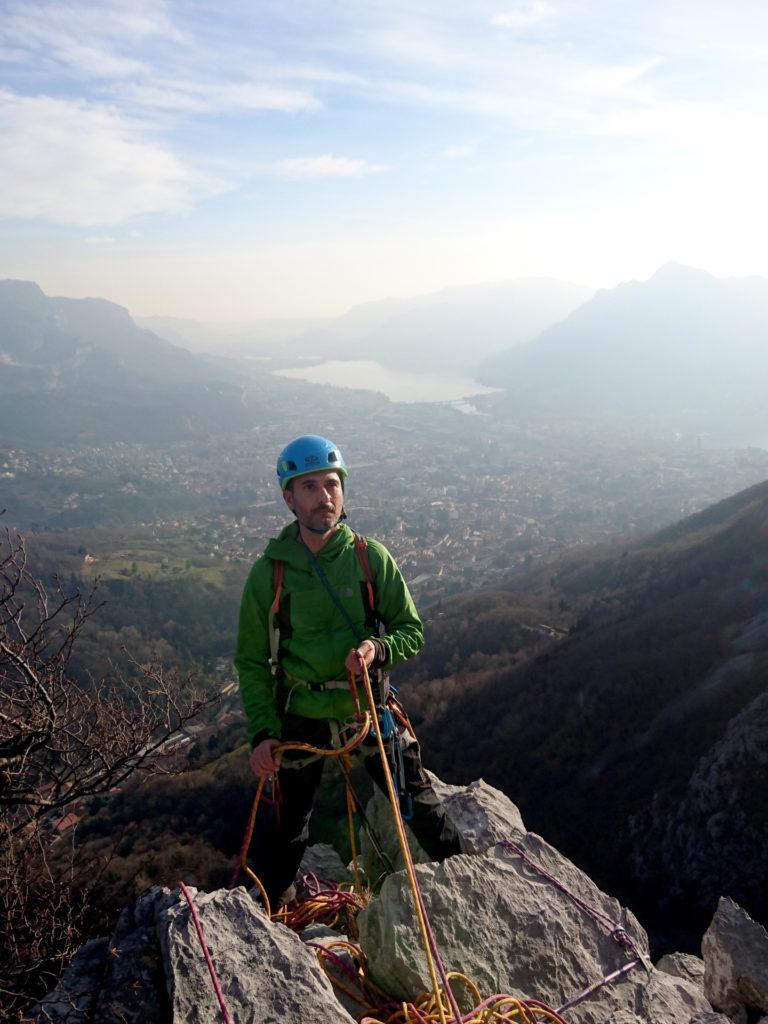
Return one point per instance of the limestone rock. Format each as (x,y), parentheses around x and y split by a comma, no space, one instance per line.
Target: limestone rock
(322,860)
(133,991)
(710,1018)
(74,998)
(482,816)
(268,976)
(320,935)
(511,930)
(683,965)
(735,950)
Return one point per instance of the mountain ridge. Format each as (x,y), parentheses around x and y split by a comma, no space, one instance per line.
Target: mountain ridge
(683,342)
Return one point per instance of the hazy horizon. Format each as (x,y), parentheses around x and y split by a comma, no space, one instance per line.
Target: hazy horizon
(248,162)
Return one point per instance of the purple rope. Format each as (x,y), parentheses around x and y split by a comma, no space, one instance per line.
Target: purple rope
(206,953)
(598,984)
(619,935)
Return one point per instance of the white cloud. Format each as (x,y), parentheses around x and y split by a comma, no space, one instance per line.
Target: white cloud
(459,152)
(325,166)
(611,79)
(525,15)
(99,240)
(72,162)
(201,97)
(90,39)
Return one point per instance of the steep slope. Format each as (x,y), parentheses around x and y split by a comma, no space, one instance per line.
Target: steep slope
(613,739)
(683,342)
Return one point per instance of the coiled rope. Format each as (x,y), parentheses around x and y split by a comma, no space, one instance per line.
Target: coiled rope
(329,903)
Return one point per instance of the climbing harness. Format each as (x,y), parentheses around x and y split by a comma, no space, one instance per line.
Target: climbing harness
(389,710)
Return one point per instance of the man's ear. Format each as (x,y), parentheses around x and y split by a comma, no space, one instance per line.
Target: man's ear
(288,497)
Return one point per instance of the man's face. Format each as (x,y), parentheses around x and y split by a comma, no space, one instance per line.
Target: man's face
(316,499)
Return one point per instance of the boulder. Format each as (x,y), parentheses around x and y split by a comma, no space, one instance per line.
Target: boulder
(683,965)
(133,989)
(74,998)
(482,815)
(320,935)
(735,951)
(511,930)
(324,862)
(711,1018)
(268,976)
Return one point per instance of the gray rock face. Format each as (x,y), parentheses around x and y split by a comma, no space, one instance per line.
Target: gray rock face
(133,991)
(711,1018)
(267,974)
(735,950)
(683,965)
(496,919)
(482,816)
(511,930)
(322,860)
(75,996)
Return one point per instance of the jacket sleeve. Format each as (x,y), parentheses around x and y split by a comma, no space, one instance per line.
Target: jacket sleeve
(404,632)
(252,656)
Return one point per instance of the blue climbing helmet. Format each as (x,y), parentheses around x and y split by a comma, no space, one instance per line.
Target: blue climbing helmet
(307,454)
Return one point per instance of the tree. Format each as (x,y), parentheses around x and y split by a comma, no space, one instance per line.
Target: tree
(61,742)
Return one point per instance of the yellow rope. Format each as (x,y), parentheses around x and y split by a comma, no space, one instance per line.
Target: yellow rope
(395,802)
(355,742)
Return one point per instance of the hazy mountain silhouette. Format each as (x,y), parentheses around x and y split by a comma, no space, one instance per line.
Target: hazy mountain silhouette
(258,338)
(638,741)
(451,329)
(683,342)
(81,369)
(454,329)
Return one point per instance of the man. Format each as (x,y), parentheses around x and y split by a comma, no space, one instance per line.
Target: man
(293,666)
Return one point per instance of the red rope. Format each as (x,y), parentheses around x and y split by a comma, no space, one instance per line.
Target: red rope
(206,954)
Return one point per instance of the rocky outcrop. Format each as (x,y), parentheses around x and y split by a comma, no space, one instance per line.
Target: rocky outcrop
(511,930)
(683,965)
(496,916)
(74,999)
(735,950)
(324,862)
(268,974)
(481,814)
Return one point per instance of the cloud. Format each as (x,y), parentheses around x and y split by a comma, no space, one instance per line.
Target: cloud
(201,97)
(611,79)
(89,39)
(72,162)
(459,152)
(325,166)
(525,15)
(99,239)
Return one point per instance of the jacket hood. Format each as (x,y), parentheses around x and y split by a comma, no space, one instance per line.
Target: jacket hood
(287,546)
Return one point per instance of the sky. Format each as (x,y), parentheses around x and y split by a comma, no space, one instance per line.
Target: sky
(247,160)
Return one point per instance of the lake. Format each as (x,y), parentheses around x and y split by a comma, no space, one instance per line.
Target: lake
(397,385)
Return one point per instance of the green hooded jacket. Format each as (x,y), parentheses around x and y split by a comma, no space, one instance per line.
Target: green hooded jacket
(315,637)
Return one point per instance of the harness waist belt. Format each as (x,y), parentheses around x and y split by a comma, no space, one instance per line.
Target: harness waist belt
(331,684)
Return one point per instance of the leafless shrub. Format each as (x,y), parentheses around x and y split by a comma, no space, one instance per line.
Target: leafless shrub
(61,742)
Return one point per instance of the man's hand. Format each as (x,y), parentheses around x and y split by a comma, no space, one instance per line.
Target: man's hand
(366,650)
(264,761)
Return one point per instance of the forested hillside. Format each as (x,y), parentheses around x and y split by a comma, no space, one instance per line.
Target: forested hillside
(614,739)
